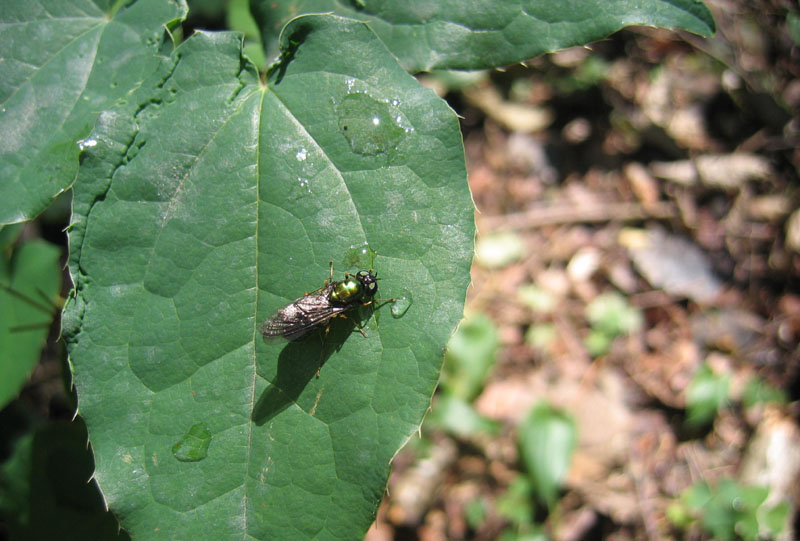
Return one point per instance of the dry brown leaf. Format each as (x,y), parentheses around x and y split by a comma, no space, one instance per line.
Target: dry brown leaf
(731,171)
(515,117)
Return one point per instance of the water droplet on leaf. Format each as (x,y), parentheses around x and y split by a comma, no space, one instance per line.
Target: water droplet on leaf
(369,126)
(359,256)
(401,305)
(83,144)
(301,189)
(193,447)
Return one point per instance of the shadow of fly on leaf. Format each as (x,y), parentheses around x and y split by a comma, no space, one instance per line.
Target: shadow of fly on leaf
(315,310)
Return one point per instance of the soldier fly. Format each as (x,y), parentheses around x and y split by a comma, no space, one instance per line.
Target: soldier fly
(308,312)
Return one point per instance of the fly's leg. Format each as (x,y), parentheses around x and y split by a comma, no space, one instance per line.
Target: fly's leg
(330,279)
(371,302)
(360,329)
(321,354)
(323,333)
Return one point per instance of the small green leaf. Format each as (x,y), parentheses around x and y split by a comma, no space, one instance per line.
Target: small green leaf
(515,504)
(476,512)
(747,527)
(598,343)
(706,394)
(697,496)
(241,20)
(678,514)
(498,250)
(758,391)
(730,510)
(470,356)
(537,298)
(774,518)
(750,497)
(30,282)
(547,439)
(454,415)
(612,315)
(541,336)
(719,515)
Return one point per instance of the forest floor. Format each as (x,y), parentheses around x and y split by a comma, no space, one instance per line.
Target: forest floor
(638,256)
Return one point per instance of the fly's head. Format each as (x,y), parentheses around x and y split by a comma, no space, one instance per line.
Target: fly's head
(369,284)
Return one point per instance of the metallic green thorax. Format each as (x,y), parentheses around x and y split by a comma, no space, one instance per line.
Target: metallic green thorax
(354,288)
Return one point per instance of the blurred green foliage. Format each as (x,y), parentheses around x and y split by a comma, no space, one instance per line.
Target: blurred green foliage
(240,19)
(540,336)
(729,510)
(537,298)
(610,316)
(517,506)
(498,250)
(468,361)
(30,281)
(547,438)
(470,357)
(757,391)
(706,395)
(455,415)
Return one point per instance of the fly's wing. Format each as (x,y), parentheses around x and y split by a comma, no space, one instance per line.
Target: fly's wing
(301,316)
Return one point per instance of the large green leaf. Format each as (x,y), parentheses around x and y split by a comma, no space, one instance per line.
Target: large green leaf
(61,63)
(457,34)
(207,202)
(30,280)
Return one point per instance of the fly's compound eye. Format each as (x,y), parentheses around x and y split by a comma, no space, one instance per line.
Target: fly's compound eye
(368,282)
